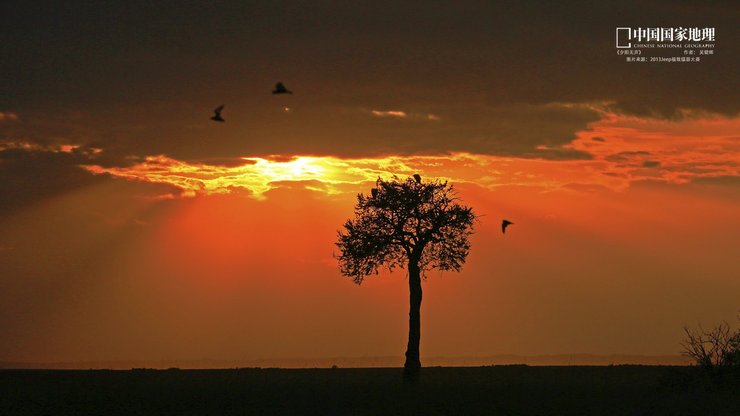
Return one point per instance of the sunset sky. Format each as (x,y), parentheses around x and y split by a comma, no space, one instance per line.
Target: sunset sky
(132,227)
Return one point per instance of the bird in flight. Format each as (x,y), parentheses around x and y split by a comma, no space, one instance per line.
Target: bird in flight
(417,178)
(504,224)
(217,114)
(280,89)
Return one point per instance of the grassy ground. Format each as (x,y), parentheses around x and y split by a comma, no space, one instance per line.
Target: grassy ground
(498,390)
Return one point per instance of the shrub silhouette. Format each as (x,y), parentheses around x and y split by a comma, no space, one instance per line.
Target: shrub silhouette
(718,347)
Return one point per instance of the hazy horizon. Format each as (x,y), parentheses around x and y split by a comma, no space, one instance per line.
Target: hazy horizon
(362,362)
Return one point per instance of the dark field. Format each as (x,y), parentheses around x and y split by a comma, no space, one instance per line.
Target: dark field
(498,390)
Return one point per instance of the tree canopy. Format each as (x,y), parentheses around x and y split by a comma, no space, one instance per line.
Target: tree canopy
(402,222)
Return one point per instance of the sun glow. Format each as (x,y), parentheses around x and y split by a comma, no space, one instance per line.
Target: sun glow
(259,175)
(622,149)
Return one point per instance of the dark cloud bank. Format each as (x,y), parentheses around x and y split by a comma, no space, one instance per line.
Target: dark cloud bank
(502,78)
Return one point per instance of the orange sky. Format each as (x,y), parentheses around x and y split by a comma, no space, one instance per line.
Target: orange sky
(133,227)
(607,255)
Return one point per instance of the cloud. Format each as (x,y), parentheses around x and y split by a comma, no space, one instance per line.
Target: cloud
(493,79)
(626,155)
(539,83)
(452,52)
(678,151)
(723,181)
(389,113)
(398,114)
(614,164)
(39,147)
(632,149)
(651,164)
(322,129)
(31,175)
(32,172)
(8,116)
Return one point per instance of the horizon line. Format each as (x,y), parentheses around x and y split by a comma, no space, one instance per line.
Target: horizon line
(357,362)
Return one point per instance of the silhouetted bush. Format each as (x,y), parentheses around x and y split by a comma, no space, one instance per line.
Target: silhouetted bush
(718,347)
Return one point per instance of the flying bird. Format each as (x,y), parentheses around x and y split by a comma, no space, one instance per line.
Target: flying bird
(504,224)
(417,178)
(280,89)
(217,114)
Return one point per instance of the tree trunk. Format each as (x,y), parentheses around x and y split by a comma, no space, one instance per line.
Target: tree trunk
(413,364)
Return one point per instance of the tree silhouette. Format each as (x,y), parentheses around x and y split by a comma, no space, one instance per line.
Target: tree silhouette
(408,224)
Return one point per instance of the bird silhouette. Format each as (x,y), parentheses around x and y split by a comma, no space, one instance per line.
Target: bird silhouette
(217,114)
(504,224)
(417,178)
(280,89)
(374,192)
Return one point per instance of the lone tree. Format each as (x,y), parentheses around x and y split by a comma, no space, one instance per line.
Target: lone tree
(408,224)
